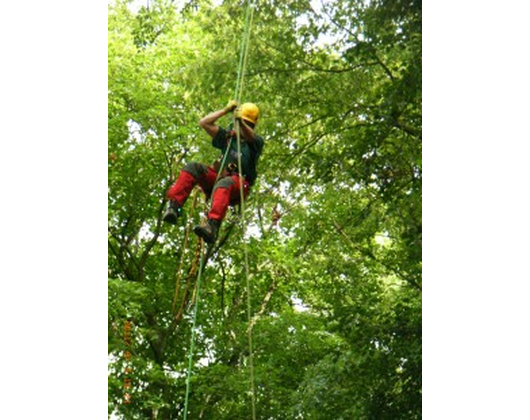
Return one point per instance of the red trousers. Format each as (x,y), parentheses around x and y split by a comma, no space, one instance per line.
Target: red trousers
(224,193)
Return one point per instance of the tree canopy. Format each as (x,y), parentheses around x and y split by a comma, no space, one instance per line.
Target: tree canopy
(333,225)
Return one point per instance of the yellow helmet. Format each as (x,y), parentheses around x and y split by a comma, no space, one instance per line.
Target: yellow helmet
(250,112)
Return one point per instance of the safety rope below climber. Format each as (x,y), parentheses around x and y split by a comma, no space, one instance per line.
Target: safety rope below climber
(192,338)
(238,93)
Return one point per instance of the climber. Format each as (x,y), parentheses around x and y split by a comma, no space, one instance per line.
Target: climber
(227,189)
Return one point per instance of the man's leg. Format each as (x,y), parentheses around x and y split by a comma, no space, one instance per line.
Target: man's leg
(192,174)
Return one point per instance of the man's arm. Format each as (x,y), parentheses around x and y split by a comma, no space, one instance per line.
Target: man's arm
(208,123)
(246,131)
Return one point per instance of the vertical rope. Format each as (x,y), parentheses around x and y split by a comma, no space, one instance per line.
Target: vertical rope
(247,275)
(192,338)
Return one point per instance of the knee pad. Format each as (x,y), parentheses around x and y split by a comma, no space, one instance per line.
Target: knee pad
(225,182)
(196,169)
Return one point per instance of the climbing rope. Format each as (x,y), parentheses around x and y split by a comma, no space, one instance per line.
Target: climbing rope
(243,55)
(239,87)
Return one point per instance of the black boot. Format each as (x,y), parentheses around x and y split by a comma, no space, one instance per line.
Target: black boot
(172,213)
(208,231)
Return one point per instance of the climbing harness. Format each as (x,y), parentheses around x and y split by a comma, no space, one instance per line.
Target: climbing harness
(243,57)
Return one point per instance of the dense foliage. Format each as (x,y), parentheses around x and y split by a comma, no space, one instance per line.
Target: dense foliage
(333,225)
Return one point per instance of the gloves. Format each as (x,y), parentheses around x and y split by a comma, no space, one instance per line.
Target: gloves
(230,106)
(238,115)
